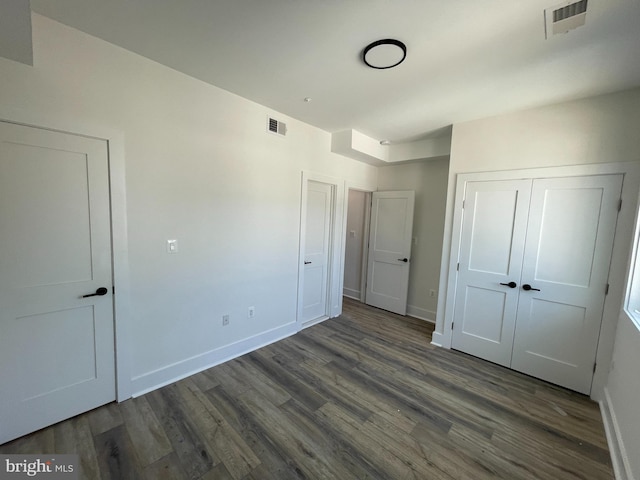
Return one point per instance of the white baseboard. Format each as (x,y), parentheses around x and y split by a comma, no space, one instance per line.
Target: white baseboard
(351,293)
(619,458)
(177,371)
(436,339)
(313,322)
(421,313)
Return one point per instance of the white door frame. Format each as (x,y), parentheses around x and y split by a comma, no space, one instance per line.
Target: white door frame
(336,255)
(619,261)
(119,245)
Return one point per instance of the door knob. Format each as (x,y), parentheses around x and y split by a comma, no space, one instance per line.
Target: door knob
(510,284)
(528,287)
(99,292)
(405,260)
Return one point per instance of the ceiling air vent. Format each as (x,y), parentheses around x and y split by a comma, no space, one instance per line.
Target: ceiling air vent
(564,17)
(274,126)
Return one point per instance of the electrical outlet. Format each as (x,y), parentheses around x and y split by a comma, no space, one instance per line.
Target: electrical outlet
(225,320)
(432,293)
(251,312)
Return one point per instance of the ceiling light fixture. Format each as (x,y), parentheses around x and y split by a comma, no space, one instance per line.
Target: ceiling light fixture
(385,142)
(383,54)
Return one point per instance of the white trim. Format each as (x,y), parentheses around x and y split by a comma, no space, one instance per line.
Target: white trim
(338,244)
(421,314)
(631,296)
(436,339)
(115,140)
(349,185)
(617,272)
(619,457)
(313,322)
(184,368)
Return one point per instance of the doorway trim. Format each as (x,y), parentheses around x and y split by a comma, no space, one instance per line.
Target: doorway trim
(336,259)
(117,201)
(619,261)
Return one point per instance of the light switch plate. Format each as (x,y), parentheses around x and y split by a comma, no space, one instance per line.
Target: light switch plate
(172,246)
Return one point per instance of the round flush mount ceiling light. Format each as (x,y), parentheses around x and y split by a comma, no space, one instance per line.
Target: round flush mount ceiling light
(384,54)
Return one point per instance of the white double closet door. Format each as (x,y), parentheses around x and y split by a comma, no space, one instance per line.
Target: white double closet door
(532,276)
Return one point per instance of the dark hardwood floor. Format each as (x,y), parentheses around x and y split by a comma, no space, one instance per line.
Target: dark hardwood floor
(361,396)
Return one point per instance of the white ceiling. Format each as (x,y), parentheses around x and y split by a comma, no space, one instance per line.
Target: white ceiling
(466,59)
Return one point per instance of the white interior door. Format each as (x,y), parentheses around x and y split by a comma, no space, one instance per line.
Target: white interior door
(566,264)
(317,250)
(490,263)
(390,250)
(56,347)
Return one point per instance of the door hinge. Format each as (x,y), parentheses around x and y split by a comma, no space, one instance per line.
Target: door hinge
(594,367)
(463,204)
(451,325)
(606,290)
(113,289)
(458,267)
(620,205)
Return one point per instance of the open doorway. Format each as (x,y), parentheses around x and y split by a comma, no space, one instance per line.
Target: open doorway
(356,244)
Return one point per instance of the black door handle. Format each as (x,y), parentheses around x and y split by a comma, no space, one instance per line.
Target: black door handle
(405,260)
(306,263)
(528,287)
(510,284)
(99,292)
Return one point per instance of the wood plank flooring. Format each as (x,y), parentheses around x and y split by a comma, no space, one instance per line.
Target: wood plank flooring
(361,396)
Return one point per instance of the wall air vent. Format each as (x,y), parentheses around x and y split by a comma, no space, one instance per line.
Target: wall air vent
(564,17)
(276,127)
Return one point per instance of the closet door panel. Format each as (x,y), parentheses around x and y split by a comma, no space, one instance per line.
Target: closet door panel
(566,262)
(492,240)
